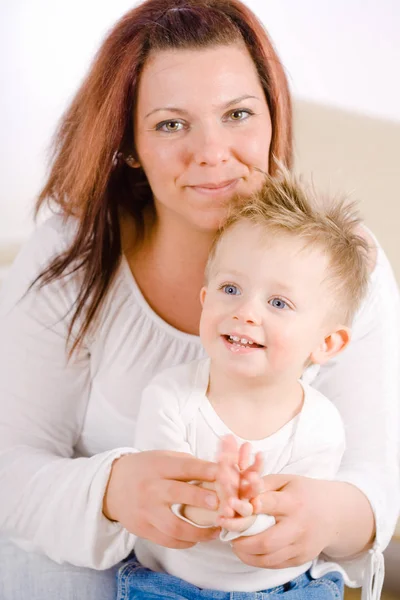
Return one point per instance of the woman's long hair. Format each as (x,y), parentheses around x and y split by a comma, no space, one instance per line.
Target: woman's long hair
(89,178)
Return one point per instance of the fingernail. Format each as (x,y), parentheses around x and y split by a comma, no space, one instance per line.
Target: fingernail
(211,501)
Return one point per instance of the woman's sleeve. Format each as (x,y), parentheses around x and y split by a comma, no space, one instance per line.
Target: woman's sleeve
(49,501)
(363,383)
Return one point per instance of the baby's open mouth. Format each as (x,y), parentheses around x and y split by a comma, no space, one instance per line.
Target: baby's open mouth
(242,341)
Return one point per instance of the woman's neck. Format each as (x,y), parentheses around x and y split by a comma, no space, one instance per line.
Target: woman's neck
(168,266)
(181,250)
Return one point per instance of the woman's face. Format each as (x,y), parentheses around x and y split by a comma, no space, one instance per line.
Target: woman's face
(202,129)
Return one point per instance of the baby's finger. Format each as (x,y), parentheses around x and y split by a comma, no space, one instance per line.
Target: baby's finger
(225,510)
(242,507)
(228,449)
(244,456)
(255,467)
(251,485)
(258,463)
(236,525)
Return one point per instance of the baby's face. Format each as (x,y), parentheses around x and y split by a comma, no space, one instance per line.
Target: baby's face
(265,305)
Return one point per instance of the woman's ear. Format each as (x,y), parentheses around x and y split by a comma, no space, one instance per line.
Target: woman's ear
(203,294)
(334,343)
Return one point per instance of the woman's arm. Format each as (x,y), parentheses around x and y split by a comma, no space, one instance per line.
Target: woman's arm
(48,500)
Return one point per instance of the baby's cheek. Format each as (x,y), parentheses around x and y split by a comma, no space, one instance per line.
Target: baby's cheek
(208,328)
(283,348)
(283,339)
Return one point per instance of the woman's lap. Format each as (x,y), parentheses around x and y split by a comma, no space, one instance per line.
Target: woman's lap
(30,576)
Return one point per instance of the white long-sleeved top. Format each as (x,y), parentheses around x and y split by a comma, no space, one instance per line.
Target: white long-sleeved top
(176,414)
(63,423)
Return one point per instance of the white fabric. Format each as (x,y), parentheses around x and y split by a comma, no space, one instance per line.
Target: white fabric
(176,415)
(52,411)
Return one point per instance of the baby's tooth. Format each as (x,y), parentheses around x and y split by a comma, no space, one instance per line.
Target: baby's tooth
(243,341)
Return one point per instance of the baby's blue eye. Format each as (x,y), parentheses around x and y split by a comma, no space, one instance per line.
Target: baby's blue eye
(231,290)
(278,303)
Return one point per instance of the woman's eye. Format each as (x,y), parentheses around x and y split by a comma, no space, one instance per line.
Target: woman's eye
(231,290)
(169,126)
(278,303)
(240,114)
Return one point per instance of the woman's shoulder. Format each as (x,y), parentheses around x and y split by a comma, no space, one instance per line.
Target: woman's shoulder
(49,239)
(53,235)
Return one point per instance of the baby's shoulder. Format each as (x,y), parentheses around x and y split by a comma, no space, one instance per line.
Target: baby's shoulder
(183,380)
(318,411)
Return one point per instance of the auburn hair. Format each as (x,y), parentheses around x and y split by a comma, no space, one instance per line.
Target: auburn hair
(89,178)
(286,205)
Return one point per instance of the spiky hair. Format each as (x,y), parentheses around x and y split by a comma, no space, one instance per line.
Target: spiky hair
(287,206)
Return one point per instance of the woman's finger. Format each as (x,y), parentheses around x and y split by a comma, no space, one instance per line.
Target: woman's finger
(179,492)
(272,540)
(250,486)
(183,467)
(155,535)
(284,558)
(277,504)
(284,533)
(177,529)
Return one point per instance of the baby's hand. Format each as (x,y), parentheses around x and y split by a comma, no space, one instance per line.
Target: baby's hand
(227,482)
(235,510)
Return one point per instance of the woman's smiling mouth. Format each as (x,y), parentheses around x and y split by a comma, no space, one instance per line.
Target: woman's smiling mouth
(211,189)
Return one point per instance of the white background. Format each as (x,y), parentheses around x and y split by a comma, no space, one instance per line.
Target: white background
(343,53)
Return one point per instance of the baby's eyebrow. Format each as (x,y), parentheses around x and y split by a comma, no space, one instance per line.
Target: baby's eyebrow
(230,273)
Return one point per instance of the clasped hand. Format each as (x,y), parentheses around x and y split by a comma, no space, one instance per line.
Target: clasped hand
(143,486)
(299,505)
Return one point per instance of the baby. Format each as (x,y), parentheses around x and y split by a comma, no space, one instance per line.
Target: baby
(284,278)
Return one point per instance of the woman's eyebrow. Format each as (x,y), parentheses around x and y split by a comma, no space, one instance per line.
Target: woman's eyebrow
(175,109)
(240,99)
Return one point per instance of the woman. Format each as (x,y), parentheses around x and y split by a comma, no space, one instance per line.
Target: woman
(184,106)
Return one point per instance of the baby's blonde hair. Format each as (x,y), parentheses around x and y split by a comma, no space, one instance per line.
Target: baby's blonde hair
(285,205)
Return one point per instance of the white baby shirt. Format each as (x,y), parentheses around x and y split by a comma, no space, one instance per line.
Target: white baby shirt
(176,415)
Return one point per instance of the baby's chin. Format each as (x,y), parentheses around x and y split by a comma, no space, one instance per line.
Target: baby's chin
(240,369)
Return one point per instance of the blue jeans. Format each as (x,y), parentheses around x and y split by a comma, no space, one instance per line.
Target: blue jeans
(137,582)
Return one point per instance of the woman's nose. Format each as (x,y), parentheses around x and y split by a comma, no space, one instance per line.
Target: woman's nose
(210,146)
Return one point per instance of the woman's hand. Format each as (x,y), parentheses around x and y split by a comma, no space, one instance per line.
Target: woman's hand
(143,486)
(312,516)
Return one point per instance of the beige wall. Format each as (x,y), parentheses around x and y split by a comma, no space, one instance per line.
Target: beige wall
(357,154)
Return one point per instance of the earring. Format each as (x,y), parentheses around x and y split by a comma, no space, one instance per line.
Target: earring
(132,162)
